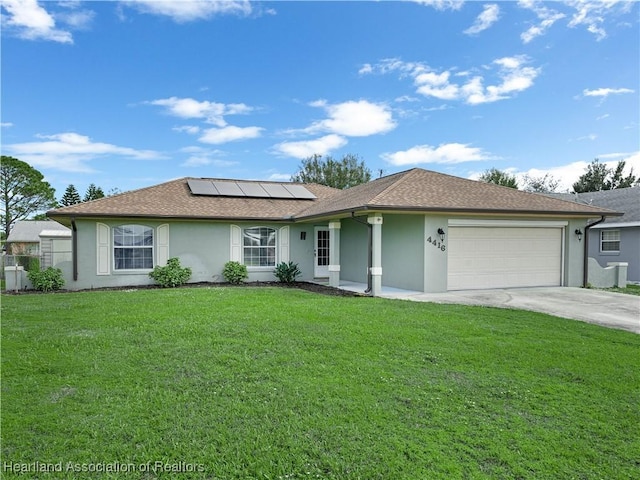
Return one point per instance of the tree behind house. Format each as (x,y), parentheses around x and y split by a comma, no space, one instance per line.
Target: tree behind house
(23,192)
(70,197)
(600,177)
(344,173)
(544,184)
(93,193)
(493,175)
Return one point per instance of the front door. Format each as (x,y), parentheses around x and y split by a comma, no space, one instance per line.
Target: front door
(321,251)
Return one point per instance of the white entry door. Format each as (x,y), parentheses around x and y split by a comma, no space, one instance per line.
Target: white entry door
(321,251)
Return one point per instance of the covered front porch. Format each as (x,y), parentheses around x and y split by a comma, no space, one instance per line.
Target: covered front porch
(386,255)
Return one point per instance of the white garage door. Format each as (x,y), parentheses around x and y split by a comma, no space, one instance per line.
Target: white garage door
(496,257)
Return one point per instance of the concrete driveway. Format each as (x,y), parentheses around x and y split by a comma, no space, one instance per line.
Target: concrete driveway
(614,310)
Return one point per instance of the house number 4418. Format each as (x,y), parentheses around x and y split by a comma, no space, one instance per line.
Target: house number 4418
(436,243)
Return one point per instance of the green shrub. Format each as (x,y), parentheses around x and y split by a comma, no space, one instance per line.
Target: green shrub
(46,280)
(235,272)
(287,272)
(29,262)
(171,275)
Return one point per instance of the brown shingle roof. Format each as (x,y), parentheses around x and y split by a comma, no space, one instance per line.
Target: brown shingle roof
(174,200)
(412,190)
(424,190)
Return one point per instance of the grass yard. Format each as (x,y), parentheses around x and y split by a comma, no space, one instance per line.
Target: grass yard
(630,289)
(269,383)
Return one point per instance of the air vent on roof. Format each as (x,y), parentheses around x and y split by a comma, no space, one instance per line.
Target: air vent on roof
(234,188)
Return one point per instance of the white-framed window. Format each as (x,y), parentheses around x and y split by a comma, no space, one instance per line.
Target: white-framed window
(132,247)
(609,241)
(259,247)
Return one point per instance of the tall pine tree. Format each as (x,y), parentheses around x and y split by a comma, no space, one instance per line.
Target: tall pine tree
(70,197)
(93,193)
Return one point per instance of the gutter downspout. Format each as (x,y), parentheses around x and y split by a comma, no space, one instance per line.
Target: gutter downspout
(74,248)
(369,252)
(585,266)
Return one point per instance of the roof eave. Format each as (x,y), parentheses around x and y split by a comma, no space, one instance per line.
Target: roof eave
(486,211)
(167,217)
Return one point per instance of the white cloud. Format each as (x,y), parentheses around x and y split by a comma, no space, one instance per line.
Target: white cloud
(230,133)
(205,160)
(591,15)
(591,136)
(514,75)
(353,119)
(546,16)
(279,177)
(488,17)
(31,21)
(442,4)
(365,69)
(211,112)
(605,92)
(72,152)
(448,153)
(307,148)
(190,129)
(6,124)
(187,10)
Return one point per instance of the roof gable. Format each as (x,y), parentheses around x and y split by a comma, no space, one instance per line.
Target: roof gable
(419,189)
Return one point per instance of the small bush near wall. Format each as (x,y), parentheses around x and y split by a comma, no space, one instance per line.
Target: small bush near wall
(171,275)
(287,272)
(46,280)
(235,272)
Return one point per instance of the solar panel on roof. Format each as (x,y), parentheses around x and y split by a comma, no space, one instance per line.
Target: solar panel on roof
(248,189)
(276,190)
(201,187)
(298,191)
(252,189)
(229,189)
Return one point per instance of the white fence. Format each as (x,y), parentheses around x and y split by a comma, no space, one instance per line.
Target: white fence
(613,275)
(15,268)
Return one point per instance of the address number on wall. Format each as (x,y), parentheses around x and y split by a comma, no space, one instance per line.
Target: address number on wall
(436,243)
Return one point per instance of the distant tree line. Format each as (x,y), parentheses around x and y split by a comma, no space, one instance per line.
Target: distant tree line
(72,197)
(596,177)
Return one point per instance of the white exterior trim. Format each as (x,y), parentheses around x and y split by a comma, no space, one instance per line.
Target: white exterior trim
(103,249)
(235,254)
(334,268)
(162,249)
(283,241)
(615,225)
(473,222)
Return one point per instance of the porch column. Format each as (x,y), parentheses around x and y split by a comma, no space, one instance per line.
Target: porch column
(375,221)
(334,253)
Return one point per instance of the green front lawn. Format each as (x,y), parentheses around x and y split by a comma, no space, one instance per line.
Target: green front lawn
(268,383)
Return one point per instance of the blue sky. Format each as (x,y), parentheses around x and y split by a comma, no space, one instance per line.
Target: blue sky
(127,94)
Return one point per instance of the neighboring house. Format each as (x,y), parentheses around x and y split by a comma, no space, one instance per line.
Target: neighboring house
(616,239)
(415,230)
(33,237)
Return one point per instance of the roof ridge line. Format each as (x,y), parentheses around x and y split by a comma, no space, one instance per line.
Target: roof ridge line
(396,183)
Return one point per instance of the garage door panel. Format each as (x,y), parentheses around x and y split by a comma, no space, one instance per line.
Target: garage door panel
(497,257)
